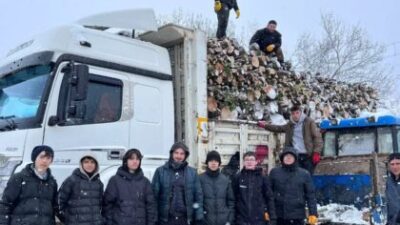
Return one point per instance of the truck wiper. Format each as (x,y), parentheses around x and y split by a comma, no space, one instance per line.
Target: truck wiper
(7,123)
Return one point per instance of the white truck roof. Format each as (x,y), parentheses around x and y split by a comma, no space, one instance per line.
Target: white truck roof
(103,46)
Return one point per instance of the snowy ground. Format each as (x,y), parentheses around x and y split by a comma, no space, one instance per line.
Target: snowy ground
(336,213)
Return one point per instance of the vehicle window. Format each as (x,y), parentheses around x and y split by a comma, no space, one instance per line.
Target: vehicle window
(103,103)
(358,143)
(329,144)
(385,140)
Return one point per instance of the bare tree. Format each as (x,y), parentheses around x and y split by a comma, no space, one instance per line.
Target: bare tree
(344,53)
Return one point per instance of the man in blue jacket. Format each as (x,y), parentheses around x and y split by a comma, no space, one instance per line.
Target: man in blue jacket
(393,189)
(177,190)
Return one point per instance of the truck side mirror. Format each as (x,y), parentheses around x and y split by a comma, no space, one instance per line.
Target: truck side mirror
(79,78)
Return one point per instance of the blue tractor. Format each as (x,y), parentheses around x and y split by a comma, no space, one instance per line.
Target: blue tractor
(353,167)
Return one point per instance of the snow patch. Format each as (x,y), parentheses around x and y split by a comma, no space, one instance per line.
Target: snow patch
(348,214)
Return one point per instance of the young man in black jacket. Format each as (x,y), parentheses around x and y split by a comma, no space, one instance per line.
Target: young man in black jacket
(254,198)
(219,201)
(223,8)
(80,196)
(31,195)
(293,189)
(129,199)
(269,40)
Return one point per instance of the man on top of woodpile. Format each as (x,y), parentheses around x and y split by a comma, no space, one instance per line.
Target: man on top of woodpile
(268,40)
(223,8)
(301,133)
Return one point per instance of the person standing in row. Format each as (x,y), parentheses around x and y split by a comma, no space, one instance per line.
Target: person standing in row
(293,189)
(219,201)
(129,199)
(80,196)
(31,195)
(177,190)
(254,197)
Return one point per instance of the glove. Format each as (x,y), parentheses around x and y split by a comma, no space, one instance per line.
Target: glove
(316,158)
(237,14)
(312,220)
(270,48)
(266,216)
(261,124)
(217,6)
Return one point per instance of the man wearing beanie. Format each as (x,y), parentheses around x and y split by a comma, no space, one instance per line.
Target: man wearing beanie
(219,201)
(293,189)
(80,196)
(31,195)
(177,190)
(128,198)
(393,189)
(254,198)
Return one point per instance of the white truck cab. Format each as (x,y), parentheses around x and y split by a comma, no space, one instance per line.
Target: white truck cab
(78,89)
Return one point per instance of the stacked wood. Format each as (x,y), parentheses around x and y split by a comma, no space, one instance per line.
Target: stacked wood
(252,86)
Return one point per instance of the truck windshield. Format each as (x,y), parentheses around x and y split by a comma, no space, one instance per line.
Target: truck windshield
(21,92)
(356,143)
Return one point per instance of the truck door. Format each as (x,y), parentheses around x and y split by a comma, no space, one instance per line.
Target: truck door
(86,114)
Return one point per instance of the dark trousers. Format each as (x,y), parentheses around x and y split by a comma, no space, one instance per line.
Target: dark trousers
(305,162)
(281,221)
(223,19)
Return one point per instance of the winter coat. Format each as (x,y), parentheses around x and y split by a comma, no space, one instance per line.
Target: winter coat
(264,37)
(219,200)
(163,191)
(231,4)
(129,200)
(293,189)
(80,199)
(253,197)
(29,200)
(312,137)
(393,200)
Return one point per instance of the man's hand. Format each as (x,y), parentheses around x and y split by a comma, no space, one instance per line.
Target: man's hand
(217,6)
(237,14)
(312,220)
(316,158)
(270,48)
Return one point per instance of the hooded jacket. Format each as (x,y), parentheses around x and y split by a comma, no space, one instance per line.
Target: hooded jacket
(80,197)
(129,199)
(29,200)
(293,189)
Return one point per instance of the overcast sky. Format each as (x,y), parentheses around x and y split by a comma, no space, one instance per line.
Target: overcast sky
(21,19)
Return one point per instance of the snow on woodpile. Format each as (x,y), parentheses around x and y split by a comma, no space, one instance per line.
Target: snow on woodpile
(252,86)
(336,213)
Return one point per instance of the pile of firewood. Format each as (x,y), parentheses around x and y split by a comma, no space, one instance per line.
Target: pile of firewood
(253,86)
